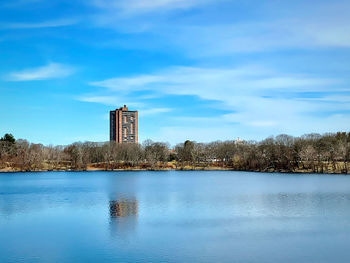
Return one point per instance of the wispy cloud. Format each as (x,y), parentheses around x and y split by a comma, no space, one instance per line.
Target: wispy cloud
(199,36)
(247,91)
(126,83)
(133,7)
(114,100)
(37,25)
(261,36)
(154,111)
(249,127)
(50,71)
(106,100)
(202,41)
(110,100)
(215,83)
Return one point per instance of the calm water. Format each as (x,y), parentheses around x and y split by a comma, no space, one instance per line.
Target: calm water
(174,217)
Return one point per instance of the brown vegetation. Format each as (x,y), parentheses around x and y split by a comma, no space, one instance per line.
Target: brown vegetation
(328,153)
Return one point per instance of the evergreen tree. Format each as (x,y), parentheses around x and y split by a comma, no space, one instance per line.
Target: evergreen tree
(8,137)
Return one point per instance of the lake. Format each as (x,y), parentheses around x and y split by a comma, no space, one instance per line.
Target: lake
(175,216)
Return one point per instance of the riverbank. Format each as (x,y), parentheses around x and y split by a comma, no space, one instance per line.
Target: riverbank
(328,153)
(92,168)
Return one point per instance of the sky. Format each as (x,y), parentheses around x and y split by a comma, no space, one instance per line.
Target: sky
(202,70)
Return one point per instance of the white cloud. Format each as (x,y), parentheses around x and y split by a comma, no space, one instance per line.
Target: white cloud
(110,100)
(106,100)
(217,129)
(199,35)
(203,40)
(261,36)
(114,101)
(134,7)
(331,99)
(216,83)
(249,93)
(124,84)
(153,111)
(50,71)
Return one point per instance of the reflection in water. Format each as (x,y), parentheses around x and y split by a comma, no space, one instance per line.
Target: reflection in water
(127,216)
(123,215)
(122,208)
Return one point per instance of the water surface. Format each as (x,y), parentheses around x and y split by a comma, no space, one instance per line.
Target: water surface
(199,216)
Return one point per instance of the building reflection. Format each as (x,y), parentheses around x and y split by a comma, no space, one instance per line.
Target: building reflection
(123,216)
(123,208)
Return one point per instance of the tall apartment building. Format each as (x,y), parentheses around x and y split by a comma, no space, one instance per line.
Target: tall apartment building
(123,125)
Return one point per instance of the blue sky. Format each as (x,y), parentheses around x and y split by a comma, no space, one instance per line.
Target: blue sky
(195,69)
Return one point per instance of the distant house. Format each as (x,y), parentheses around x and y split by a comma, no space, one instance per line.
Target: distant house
(238,141)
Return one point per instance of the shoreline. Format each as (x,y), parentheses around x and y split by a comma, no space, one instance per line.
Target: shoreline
(93,169)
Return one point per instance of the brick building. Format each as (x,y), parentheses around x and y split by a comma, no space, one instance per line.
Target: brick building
(123,125)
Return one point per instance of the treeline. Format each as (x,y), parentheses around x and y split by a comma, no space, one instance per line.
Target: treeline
(328,153)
